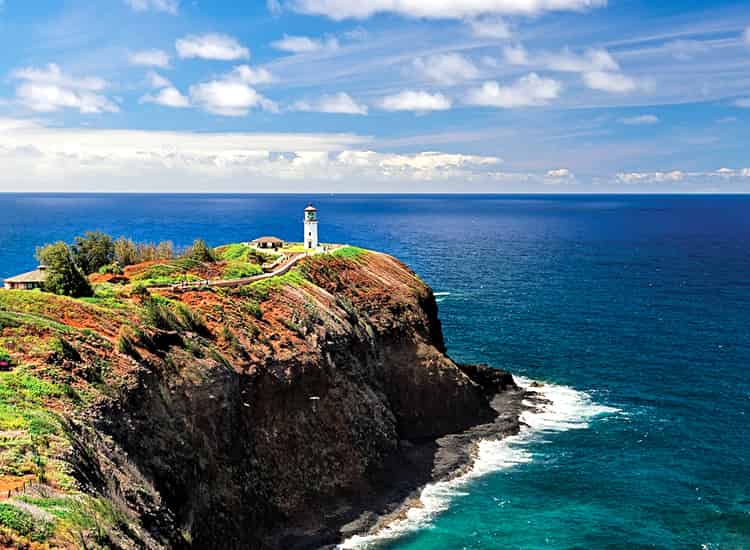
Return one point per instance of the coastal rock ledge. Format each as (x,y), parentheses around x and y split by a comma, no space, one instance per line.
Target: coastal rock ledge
(286,414)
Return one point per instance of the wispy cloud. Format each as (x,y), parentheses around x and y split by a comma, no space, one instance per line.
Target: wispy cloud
(640,120)
(341,103)
(167,6)
(150,58)
(444,9)
(305,44)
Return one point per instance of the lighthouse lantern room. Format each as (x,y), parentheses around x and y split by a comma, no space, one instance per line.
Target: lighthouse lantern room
(311,228)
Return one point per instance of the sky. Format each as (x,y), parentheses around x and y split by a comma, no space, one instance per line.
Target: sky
(375,96)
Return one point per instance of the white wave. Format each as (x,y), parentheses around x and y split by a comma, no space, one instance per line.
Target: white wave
(441,296)
(562,408)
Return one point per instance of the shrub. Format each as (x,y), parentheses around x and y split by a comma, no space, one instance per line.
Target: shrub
(158,315)
(126,344)
(63,275)
(191,320)
(111,269)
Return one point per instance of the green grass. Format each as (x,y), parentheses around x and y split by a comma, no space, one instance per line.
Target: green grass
(232,252)
(23,523)
(240,270)
(261,289)
(106,295)
(349,253)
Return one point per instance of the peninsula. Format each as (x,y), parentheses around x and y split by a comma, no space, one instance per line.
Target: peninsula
(287,410)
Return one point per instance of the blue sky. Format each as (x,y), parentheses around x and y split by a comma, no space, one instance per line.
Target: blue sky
(374,96)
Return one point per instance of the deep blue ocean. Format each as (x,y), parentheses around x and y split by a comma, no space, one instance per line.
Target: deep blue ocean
(639,303)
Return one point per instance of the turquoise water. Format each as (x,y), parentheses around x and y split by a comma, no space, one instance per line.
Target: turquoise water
(639,304)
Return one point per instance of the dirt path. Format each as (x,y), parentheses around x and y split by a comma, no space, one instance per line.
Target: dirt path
(228,283)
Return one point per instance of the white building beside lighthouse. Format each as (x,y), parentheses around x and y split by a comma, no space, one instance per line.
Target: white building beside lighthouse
(311,228)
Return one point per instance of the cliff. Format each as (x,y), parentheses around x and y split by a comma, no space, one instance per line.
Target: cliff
(269,415)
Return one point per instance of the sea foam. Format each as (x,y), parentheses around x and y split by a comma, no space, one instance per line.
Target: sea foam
(560,408)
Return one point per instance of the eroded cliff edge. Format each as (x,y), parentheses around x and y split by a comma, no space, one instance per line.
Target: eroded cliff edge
(271,415)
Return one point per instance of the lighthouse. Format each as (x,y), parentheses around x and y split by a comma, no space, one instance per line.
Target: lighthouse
(311,228)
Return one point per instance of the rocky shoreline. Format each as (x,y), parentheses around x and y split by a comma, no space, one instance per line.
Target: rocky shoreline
(447,458)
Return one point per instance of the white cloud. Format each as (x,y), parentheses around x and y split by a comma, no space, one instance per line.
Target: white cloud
(305,44)
(52,74)
(447,69)
(516,55)
(640,120)
(250,75)
(560,173)
(340,103)
(743,103)
(616,83)
(220,47)
(49,89)
(490,27)
(441,9)
(527,91)
(592,60)
(156,80)
(417,101)
(150,58)
(168,97)
(651,177)
(166,6)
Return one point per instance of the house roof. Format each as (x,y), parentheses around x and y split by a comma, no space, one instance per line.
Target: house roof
(39,275)
(268,240)
(311,208)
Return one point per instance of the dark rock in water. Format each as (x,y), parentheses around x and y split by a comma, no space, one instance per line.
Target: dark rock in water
(491,380)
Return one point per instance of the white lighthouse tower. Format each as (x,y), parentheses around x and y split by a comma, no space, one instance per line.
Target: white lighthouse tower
(311,228)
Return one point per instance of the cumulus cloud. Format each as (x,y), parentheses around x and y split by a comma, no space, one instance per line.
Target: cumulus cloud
(49,89)
(443,9)
(528,91)
(168,97)
(417,101)
(591,60)
(616,83)
(251,75)
(447,69)
(305,44)
(640,120)
(156,80)
(166,6)
(215,46)
(150,58)
(340,103)
(489,27)
(232,93)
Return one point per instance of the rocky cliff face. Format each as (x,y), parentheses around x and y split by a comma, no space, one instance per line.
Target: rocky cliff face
(281,412)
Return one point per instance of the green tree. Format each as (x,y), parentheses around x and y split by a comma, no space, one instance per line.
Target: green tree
(63,275)
(93,251)
(126,252)
(200,252)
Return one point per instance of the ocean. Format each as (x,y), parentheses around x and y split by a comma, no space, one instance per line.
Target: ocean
(634,310)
